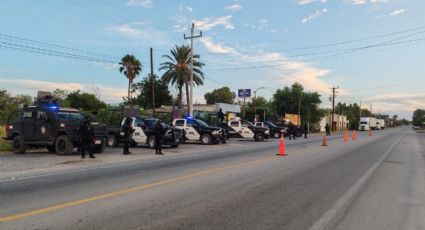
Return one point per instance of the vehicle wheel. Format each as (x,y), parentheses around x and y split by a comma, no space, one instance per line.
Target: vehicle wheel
(18,145)
(151,142)
(111,141)
(175,145)
(259,137)
(276,135)
(51,148)
(100,148)
(63,145)
(206,139)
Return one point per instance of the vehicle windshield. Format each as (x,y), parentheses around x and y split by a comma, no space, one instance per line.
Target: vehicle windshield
(151,122)
(363,122)
(70,115)
(200,123)
(249,123)
(271,124)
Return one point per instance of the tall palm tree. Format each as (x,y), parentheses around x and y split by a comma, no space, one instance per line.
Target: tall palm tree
(177,71)
(131,67)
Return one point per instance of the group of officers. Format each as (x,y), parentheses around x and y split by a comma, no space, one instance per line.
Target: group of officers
(86,143)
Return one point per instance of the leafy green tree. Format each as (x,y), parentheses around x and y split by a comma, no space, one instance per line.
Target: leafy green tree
(130,66)
(61,96)
(9,103)
(84,101)
(221,95)
(144,93)
(418,118)
(294,100)
(177,72)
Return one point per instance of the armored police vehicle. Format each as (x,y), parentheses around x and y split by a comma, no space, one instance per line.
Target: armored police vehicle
(245,129)
(46,124)
(197,130)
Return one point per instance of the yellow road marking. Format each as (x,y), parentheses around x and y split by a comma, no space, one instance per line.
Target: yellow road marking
(129,190)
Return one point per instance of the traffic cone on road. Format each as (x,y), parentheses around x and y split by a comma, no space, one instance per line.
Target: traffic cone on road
(370,133)
(353,135)
(345,136)
(282,151)
(324,142)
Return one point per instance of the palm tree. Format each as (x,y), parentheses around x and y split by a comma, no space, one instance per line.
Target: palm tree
(131,67)
(177,70)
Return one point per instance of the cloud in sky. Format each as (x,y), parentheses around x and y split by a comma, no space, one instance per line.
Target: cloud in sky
(140,3)
(234,8)
(305,2)
(110,94)
(397,12)
(314,16)
(210,22)
(361,2)
(140,31)
(407,102)
(286,71)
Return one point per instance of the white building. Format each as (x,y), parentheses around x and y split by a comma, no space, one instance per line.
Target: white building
(340,122)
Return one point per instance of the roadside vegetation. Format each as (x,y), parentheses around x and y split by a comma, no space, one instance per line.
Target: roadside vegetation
(4,146)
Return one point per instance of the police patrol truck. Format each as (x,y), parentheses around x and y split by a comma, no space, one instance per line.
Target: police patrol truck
(245,129)
(197,130)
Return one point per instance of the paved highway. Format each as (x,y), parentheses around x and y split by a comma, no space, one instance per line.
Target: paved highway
(372,183)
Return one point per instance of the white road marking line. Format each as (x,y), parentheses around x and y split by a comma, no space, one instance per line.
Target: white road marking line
(344,199)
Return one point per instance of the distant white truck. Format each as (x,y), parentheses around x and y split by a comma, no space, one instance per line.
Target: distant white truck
(367,123)
(380,124)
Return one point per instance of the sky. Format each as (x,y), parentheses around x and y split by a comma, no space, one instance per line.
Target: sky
(373,50)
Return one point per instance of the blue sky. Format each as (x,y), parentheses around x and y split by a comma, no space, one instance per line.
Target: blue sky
(371,49)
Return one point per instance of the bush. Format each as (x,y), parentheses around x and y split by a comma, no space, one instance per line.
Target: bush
(4,146)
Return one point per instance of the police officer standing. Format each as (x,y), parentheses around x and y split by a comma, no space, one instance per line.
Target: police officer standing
(87,138)
(221,115)
(159,131)
(128,131)
(327,128)
(305,130)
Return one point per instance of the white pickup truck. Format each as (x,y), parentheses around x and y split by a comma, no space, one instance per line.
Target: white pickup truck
(247,130)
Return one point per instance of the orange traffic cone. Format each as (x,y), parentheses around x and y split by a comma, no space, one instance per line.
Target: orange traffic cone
(353,135)
(282,151)
(324,142)
(345,136)
(370,133)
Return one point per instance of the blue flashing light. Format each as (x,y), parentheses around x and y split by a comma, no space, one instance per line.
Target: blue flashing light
(189,118)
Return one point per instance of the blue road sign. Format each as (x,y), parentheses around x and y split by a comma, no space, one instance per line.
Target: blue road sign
(244,92)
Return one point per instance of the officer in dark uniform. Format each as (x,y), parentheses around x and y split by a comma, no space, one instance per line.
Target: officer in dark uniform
(159,131)
(221,116)
(327,128)
(87,138)
(305,131)
(128,131)
(291,130)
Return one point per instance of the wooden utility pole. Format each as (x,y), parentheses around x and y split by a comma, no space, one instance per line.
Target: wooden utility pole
(152,85)
(191,37)
(334,92)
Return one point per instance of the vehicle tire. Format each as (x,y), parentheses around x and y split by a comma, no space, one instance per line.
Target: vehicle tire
(63,145)
(18,145)
(259,137)
(206,139)
(100,148)
(276,135)
(174,145)
(111,141)
(51,148)
(151,142)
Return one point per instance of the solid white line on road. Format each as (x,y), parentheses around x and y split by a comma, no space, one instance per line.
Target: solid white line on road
(350,194)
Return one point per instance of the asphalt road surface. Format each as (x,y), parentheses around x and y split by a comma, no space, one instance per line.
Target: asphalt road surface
(372,183)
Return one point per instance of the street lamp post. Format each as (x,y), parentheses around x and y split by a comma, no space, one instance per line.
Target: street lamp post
(255,103)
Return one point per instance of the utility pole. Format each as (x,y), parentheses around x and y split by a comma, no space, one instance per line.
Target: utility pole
(334,92)
(191,37)
(152,85)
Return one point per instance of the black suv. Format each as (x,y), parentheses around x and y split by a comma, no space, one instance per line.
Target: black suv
(198,130)
(48,125)
(144,133)
(275,131)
